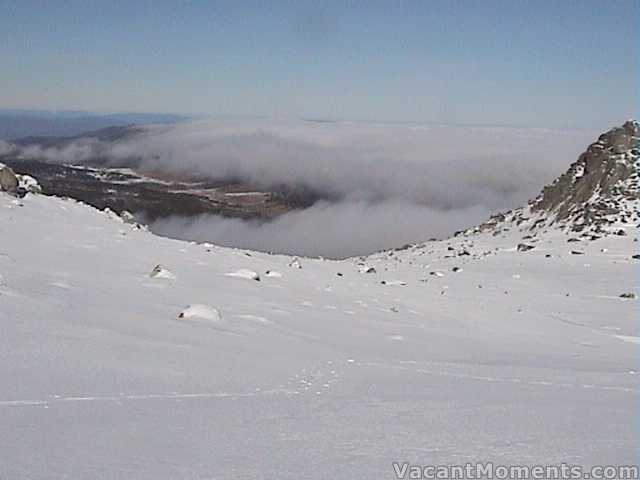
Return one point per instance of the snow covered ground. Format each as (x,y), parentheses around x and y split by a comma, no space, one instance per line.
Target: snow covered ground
(321,372)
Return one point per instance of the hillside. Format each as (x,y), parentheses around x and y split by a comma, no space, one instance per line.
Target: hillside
(224,363)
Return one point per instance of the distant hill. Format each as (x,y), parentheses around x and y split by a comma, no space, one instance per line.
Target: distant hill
(26,123)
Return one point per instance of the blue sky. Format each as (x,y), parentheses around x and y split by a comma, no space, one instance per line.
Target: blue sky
(542,63)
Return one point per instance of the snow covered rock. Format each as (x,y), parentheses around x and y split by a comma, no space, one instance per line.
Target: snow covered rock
(245,273)
(272,274)
(295,263)
(367,269)
(8,179)
(28,184)
(112,215)
(200,312)
(127,216)
(161,272)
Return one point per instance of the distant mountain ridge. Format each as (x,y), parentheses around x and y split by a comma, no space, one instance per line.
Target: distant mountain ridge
(16,124)
(107,134)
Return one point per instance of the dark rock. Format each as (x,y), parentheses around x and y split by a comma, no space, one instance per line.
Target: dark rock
(523,247)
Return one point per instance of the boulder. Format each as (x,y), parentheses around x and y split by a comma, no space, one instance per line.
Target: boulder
(367,269)
(28,184)
(523,247)
(8,179)
(200,312)
(161,272)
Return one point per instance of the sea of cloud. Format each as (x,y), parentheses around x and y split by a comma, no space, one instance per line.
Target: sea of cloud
(385,184)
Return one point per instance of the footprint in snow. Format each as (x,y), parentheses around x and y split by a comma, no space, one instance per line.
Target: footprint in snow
(256,318)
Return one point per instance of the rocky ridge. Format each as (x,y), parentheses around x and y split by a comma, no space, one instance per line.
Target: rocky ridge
(598,195)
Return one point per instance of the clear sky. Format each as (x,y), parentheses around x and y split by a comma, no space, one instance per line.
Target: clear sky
(543,63)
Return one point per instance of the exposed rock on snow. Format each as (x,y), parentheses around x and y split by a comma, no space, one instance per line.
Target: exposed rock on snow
(295,263)
(273,274)
(200,312)
(8,179)
(591,191)
(245,273)
(161,272)
(598,193)
(523,247)
(629,295)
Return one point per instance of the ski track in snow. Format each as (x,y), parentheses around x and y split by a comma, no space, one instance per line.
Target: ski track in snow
(138,397)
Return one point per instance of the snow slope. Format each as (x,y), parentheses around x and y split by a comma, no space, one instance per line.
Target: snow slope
(322,372)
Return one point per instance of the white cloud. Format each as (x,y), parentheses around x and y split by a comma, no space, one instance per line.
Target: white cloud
(391,183)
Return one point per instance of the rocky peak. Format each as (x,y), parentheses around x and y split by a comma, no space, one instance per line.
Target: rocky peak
(600,188)
(598,194)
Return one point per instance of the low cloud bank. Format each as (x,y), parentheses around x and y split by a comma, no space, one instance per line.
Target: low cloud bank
(391,184)
(334,230)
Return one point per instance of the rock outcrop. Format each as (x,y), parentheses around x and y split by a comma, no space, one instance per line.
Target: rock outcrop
(15,184)
(601,186)
(8,180)
(598,195)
